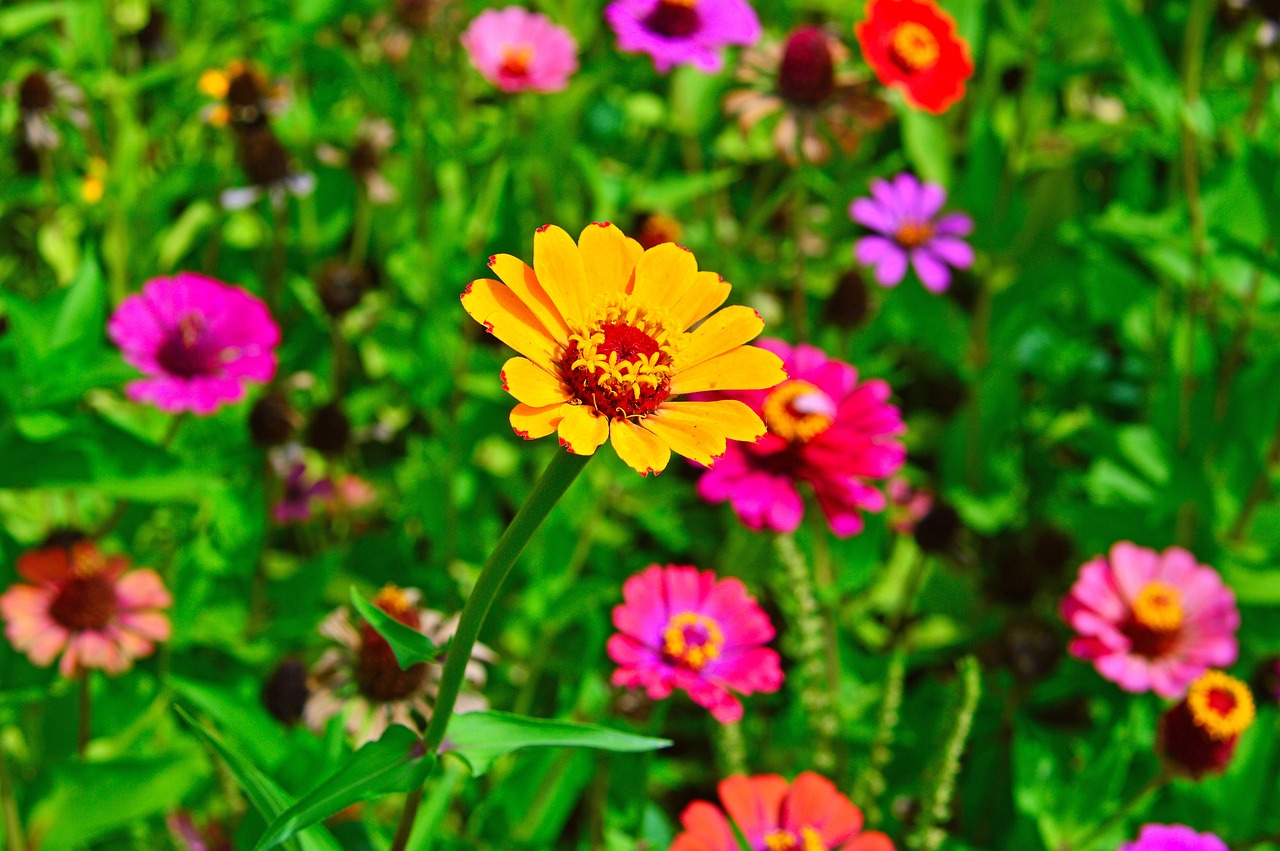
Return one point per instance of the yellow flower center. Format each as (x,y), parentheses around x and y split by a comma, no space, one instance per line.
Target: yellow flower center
(1221,705)
(516,60)
(1159,607)
(87,561)
(393,600)
(914,234)
(797,410)
(913,47)
(214,83)
(619,362)
(692,640)
(785,840)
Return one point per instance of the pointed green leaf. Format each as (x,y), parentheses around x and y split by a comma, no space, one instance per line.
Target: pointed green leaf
(409,645)
(394,763)
(482,737)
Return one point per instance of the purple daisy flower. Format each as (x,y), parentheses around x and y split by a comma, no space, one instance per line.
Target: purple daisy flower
(905,215)
(1174,837)
(681,32)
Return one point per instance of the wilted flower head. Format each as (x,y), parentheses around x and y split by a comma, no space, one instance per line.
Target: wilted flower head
(518,50)
(1199,735)
(905,215)
(1173,837)
(825,429)
(1268,680)
(43,97)
(301,489)
(362,681)
(1152,621)
(913,46)
(656,228)
(340,286)
(243,97)
(85,605)
(681,628)
(603,327)
(815,103)
(270,171)
(808,814)
(374,137)
(683,32)
(1269,13)
(908,505)
(198,340)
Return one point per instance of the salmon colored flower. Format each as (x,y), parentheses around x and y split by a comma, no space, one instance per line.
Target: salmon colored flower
(1152,621)
(1199,735)
(85,605)
(912,45)
(684,629)
(810,814)
(604,330)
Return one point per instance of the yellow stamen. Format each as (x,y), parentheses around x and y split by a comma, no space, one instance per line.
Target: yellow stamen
(798,410)
(1221,705)
(629,377)
(516,60)
(1159,607)
(687,4)
(914,234)
(214,83)
(694,654)
(87,560)
(393,600)
(785,840)
(914,46)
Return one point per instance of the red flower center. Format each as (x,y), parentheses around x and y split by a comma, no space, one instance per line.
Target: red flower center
(84,603)
(807,74)
(914,234)
(621,366)
(378,674)
(674,18)
(516,61)
(913,47)
(185,352)
(1221,701)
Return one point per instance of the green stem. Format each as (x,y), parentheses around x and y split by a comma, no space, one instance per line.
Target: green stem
(1258,491)
(86,714)
(360,230)
(13,836)
(929,834)
(799,294)
(405,829)
(870,785)
(731,748)
(817,700)
(1152,786)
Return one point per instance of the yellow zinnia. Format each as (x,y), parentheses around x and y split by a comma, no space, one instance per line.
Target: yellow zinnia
(604,329)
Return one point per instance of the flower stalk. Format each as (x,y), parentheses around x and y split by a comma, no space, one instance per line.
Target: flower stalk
(816,698)
(929,833)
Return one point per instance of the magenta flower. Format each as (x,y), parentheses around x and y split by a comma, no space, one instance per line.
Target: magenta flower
(1174,837)
(519,50)
(198,340)
(904,214)
(1152,621)
(683,32)
(825,429)
(682,629)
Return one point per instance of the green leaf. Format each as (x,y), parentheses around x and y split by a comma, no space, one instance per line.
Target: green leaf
(409,645)
(264,793)
(482,737)
(83,312)
(394,763)
(925,138)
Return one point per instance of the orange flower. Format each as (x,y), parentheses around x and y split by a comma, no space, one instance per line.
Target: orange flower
(603,327)
(912,45)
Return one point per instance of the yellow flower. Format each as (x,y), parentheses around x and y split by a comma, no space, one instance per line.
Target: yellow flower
(93,184)
(603,327)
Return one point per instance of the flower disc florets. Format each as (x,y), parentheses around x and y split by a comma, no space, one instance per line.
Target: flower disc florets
(620,362)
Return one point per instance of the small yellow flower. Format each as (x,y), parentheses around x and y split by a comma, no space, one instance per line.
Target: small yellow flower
(93,184)
(214,83)
(603,327)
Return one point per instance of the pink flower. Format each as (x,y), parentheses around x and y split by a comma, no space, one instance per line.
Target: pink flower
(1152,621)
(86,606)
(198,339)
(905,216)
(519,50)
(683,32)
(1174,837)
(825,429)
(908,505)
(682,629)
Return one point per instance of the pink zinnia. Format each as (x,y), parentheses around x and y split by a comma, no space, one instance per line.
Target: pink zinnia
(198,339)
(683,32)
(87,606)
(682,629)
(1174,837)
(1152,621)
(519,50)
(825,429)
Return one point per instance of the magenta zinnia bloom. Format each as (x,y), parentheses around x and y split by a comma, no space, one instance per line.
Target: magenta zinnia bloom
(825,429)
(85,605)
(1174,837)
(905,215)
(198,339)
(683,32)
(682,629)
(1152,621)
(519,50)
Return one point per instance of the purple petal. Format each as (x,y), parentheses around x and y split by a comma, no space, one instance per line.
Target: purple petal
(891,267)
(933,273)
(952,251)
(871,250)
(907,189)
(867,212)
(954,224)
(929,201)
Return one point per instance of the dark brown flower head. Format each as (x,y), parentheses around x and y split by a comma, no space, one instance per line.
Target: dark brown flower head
(1267,680)
(807,74)
(35,93)
(285,692)
(151,38)
(330,430)
(25,156)
(656,228)
(1200,734)
(340,286)
(414,14)
(850,302)
(263,158)
(273,420)
(365,158)
(378,674)
(1033,648)
(939,530)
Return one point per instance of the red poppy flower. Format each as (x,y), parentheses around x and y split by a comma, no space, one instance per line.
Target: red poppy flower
(913,46)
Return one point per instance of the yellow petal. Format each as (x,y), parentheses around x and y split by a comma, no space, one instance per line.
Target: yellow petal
(582,430)
(609,257)
(734,419)
(743,368)
(640,450)
(505,316)
(691,436)
(530,422)
(522,281)
(723,331)
(560,271)
(532,384)
(708,292)
(664,273)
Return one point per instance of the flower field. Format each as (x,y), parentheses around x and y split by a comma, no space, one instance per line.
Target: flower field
(630,425)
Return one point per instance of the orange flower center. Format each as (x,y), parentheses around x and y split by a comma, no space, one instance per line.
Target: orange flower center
(914,234)
(377,673)
(620,363)
(692,640)
(1221,705)
(785,840)
(674,18)
(798,411)
(913,47)
(516,60)
(1159,607)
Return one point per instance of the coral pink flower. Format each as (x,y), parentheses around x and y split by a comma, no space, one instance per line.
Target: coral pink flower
(825,429)
(1152,621)
(682,629)
(808,815)
(198,339)
(516,50)
(87,606)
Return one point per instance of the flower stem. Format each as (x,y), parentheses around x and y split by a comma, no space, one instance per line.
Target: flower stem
(13,837)
(86,713)
(1258,491)
(407,818)
(1152,786)
(870,785)
(817,700)
(799,294)
(731,748)
(360,230)
(929,834)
